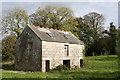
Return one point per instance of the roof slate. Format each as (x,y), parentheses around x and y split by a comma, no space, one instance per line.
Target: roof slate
(56,35)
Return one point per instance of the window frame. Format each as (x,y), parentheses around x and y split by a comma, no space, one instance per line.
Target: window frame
(66,47)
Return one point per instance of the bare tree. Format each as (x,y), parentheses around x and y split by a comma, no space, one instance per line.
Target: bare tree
(94,20)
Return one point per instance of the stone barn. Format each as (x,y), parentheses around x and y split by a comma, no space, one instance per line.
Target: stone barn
(41,49)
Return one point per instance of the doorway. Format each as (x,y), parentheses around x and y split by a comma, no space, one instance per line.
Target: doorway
(47,65)
(81,62)
(66,63)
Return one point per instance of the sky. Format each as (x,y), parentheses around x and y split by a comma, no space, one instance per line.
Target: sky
(109,9)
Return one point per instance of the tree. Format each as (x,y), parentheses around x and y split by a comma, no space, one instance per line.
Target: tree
(14,20)
(8,47)
(90,30)
(113,34)
(95,21)
(118,46)
(53,17)
(104,45)
(118,42)
(84,33)
(113,37)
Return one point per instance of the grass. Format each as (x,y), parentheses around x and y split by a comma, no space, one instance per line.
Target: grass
(95,68)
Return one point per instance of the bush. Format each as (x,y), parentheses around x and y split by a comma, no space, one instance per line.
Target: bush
(8,48)
(60,68)
(86,63)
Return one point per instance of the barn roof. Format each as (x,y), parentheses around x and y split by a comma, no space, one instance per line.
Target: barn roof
(52,35)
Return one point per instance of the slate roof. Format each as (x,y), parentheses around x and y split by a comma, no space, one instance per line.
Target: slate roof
(52,35)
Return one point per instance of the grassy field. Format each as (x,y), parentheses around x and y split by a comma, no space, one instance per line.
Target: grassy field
(95,68)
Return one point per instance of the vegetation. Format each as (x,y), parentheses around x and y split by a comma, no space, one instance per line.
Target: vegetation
(118,43)
(14,21)
(112,38)
(60,68)
(8,48)
(118,48)
(95,68)
(53,17)
(89,28)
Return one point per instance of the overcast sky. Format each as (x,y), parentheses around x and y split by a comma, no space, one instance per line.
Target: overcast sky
(108,9)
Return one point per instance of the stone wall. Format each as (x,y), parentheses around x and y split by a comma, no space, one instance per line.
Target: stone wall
(28,52)
(55,52)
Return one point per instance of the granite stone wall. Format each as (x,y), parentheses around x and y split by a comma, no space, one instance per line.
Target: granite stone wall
(55,52)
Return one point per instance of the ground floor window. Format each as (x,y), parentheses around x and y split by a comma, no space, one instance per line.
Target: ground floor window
(66,63)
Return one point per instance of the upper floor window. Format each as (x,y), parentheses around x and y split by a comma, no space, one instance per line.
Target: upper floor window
(66,48)
(30,45)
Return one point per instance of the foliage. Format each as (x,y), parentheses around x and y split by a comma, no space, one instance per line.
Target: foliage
(53,17)
(14,20)
(118,42)
(84,33)
(113,34)
(90,29)
(104,45)
(60,68)
(118,47)
(8,65)
(113,37)
(8,47)
(102,68)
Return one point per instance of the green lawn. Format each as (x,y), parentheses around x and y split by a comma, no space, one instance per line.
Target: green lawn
(95,68)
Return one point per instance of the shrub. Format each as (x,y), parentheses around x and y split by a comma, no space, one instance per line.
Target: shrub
(86,63)
(60,68)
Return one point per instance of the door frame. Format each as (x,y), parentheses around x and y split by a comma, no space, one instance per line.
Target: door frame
(47,65)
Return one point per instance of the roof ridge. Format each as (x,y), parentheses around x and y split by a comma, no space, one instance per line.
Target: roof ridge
(47,28)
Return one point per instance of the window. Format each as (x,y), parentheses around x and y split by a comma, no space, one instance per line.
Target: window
(66,48)
(30,44)
(66,36)
(27,33)
(50,34)
(66,63)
